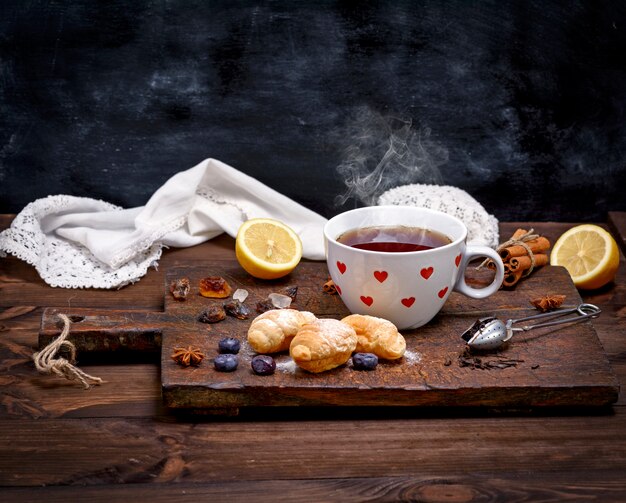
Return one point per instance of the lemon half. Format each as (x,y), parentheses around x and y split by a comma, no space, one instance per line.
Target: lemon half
(590,255)
(267,248)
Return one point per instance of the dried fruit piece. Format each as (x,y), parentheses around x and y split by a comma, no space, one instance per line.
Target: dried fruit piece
(179,288)
(214,287)
(236,309)
(329,287)
(264,305)
(226,362)
(548,302)
(212,314)
(263,365)
(229,345)
(364,361)
(187,356)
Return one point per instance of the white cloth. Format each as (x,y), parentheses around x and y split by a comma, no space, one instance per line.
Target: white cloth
(482,228)
(77,242)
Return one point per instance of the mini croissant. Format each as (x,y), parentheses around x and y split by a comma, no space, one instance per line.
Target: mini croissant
(323,345)
(376,335)
(273,330)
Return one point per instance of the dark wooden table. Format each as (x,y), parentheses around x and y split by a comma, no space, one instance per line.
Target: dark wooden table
(116,442)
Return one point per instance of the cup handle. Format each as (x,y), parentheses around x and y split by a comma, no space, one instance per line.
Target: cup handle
(472,252)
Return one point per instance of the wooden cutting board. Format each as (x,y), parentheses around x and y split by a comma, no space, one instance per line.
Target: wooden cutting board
(557,366)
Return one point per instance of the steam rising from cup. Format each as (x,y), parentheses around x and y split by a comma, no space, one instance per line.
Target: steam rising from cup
(385,152)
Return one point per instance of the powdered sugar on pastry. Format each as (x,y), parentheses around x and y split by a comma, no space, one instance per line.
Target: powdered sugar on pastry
(377,335)
(323,345)
(272,331)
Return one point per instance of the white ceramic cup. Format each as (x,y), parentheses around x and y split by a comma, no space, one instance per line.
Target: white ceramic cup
(407,288)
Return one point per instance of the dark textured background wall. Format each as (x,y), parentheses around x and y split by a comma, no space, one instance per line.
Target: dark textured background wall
(519,103)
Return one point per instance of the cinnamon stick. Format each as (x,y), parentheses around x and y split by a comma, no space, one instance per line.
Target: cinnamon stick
(511,279)
(524,262)
(518,233)
(538,245)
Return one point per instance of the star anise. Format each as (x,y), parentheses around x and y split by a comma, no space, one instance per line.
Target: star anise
(187,356)
(548,302)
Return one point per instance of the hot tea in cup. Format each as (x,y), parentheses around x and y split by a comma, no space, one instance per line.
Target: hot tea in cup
(401,262)
(393,238)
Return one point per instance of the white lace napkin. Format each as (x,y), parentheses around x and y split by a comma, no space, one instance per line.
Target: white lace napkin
(77,242)
(482,228)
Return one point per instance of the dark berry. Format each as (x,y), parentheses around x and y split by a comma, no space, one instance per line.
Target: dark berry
(263,365)
(229,345)
(226,362)
(364,361)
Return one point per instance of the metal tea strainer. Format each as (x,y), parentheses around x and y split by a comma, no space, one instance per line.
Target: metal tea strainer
(491,333)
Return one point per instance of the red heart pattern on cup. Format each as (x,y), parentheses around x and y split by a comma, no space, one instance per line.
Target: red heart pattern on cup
(427,272)
(368,301)
(381,276)
(408,302)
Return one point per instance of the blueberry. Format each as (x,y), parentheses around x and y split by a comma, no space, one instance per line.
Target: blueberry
(364,361)
(229,345)
(263,365)
(226,362)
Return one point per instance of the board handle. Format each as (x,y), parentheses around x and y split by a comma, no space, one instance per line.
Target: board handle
(95,331)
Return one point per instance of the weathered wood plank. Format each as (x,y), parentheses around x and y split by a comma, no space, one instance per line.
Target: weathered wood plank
(123,450)
(563,366)
(567,369)
(26,394)
(109,330)
(129,389)
(617,225)
(604,485)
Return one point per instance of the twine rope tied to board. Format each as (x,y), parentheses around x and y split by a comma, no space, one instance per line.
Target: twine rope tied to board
(46,363)
(521,241)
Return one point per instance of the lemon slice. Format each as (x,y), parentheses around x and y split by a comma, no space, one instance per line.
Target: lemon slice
(267,248)
(590,255)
